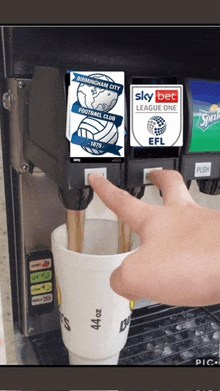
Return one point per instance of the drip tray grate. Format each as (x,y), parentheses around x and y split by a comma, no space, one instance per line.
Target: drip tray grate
(162,335)
(158,335)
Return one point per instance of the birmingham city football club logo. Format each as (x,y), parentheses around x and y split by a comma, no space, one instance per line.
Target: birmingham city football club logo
(97,133)
(156,125)
(208,118)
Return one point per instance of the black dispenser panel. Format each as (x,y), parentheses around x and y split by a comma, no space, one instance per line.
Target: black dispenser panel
(155,113)
(47,146)
(200,159)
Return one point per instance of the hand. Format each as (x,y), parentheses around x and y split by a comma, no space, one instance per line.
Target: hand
(178,262)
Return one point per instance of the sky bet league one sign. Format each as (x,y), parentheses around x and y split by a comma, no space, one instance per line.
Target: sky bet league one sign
(156,115)
(95,115)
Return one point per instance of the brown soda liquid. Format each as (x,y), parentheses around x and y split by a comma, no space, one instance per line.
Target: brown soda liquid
(75,229)
(124,237)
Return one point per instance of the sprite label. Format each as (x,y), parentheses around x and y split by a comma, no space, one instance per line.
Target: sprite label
(206,117)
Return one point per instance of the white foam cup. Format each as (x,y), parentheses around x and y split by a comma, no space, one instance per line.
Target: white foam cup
(94,319)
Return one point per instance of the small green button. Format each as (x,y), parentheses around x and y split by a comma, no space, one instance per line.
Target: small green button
(41,276)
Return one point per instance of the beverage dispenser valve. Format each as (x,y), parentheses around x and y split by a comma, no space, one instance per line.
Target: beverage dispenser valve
(200,158)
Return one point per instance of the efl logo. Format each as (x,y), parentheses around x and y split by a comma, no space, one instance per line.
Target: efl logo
(167,96)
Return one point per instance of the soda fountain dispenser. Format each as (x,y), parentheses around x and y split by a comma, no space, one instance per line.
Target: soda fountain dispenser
(118,100)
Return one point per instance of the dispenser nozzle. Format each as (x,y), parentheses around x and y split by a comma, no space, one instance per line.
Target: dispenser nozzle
(137,192)
(76,199)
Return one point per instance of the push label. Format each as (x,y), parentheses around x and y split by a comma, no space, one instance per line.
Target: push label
(202,169)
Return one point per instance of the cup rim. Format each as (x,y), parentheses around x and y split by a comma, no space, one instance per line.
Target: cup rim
(92,255)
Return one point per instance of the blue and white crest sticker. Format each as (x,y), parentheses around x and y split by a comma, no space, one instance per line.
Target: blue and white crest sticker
(95,115)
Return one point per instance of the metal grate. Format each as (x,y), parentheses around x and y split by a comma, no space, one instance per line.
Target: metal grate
(161,335)
(158,335)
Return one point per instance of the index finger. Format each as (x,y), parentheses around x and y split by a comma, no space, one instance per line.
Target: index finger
(172,185)
(126,207)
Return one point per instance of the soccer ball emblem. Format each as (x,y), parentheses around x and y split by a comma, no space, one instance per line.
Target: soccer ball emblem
(98,130)
(156,126)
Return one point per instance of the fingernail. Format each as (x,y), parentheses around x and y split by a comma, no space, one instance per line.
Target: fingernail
(94,174)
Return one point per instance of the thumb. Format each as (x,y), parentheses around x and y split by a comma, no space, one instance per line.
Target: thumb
(124,279)
(172,185)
